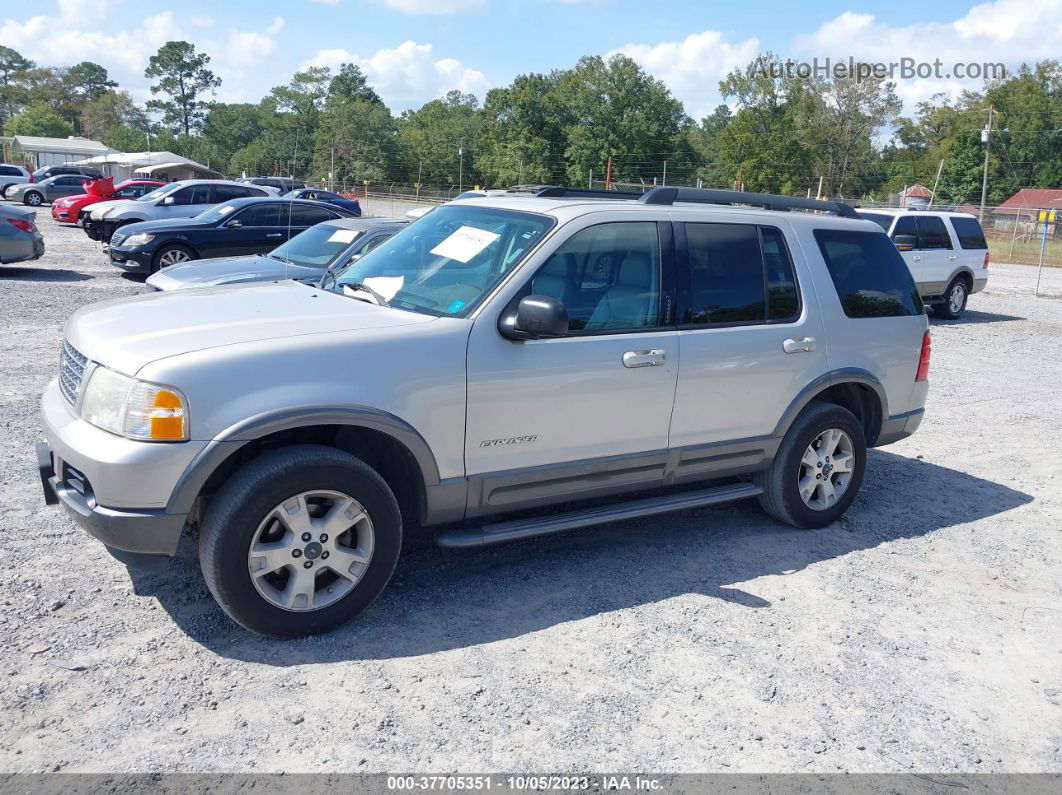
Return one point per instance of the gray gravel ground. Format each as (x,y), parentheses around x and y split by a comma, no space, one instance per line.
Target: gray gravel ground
(922,632)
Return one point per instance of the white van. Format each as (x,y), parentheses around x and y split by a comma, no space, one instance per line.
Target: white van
(946,252)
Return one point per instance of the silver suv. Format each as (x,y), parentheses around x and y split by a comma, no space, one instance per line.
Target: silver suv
(497,355)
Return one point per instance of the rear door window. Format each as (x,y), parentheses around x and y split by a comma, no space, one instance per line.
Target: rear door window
(302,215)
(969,232)
(931,232)
(226,193)
(262,215)
(727,283)
(870,276)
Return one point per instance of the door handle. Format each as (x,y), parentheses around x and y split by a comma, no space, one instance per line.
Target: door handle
(916,258)
(653,358)
(275,234)
(799,345)
(952,257)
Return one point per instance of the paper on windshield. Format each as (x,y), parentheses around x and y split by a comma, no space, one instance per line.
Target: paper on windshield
(343,236)
(226,210)
(387,286)
(465,243)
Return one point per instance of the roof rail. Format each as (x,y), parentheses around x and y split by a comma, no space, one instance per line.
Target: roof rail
(768,201)
(586,193)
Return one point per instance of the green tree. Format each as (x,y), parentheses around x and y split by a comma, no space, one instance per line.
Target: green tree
(438,141)
(110,111)
(617,110)
(12,94)
(231,127)
(522,133)
(87,81)
(358,135)
(350,83)
(183,76)
(39,119)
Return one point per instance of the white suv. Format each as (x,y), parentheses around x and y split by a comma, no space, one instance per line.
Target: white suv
(500,354)
(946,252)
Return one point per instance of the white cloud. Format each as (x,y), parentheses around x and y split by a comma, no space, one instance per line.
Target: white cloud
(437,7)
(693,67)
(83,31)
(408,75)
(1007,31)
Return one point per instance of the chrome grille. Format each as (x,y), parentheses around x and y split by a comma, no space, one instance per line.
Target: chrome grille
(71,371)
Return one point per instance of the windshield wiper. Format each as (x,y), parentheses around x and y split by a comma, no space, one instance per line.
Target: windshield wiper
(365,288)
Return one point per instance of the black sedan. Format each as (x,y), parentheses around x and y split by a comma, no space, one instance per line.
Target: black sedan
(316,194)
(238,227)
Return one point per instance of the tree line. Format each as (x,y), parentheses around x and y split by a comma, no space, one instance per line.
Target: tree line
(777,132)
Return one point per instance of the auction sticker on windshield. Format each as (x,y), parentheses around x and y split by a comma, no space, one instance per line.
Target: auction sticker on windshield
(465,243)
(343,236)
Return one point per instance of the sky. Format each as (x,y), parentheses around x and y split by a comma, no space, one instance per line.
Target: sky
(416,50)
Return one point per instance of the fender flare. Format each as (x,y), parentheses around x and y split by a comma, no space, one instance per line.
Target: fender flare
(246,431)
(846,375)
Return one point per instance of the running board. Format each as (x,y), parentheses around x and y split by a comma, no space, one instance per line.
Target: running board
(501,532)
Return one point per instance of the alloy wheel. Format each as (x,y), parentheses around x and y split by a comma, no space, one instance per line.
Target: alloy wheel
(173,257)
(957,298)
(826,469)
(311,550)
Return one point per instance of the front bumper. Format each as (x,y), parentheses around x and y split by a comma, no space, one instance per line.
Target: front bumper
(116,489)
(63,215)
(131,260)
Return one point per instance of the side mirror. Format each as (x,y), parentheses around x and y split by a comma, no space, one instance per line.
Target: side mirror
(536,317)
(905,242)
(233,224)
(168,200)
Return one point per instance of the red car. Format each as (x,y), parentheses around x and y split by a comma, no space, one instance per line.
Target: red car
(68,210)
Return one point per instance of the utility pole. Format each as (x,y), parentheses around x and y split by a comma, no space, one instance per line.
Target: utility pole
(664,180)
(461,167)
(986,136)
(608,175)
(933,198)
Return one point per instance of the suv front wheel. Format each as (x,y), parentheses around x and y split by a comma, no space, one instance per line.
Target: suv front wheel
(818,468)
(300,540)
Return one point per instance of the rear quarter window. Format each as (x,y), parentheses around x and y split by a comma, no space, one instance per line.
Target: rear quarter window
(870,276)
(969,232)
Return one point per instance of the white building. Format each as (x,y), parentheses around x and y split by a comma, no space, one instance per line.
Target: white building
(163,165)
(56,151)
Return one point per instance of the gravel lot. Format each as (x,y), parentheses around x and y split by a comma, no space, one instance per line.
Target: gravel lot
(922,632)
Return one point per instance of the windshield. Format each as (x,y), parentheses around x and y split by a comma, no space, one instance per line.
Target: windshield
(882,220)
(448,260)
(216,213)
(317,247)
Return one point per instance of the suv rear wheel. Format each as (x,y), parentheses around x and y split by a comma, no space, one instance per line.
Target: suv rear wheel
(954,300)
(818,468)
(300,541)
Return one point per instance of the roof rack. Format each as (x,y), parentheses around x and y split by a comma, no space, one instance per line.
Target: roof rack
(586,193)
(768,201)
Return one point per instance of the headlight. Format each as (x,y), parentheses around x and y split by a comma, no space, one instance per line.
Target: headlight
(134,409)
(139,239)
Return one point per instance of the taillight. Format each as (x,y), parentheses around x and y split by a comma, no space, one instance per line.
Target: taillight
(25,226)
(984,266)
(923,358)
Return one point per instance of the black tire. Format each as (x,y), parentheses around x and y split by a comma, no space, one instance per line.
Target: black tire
(781,495)
(157,262)
(33,198)
(234,515)
(955,298)
(3,191)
